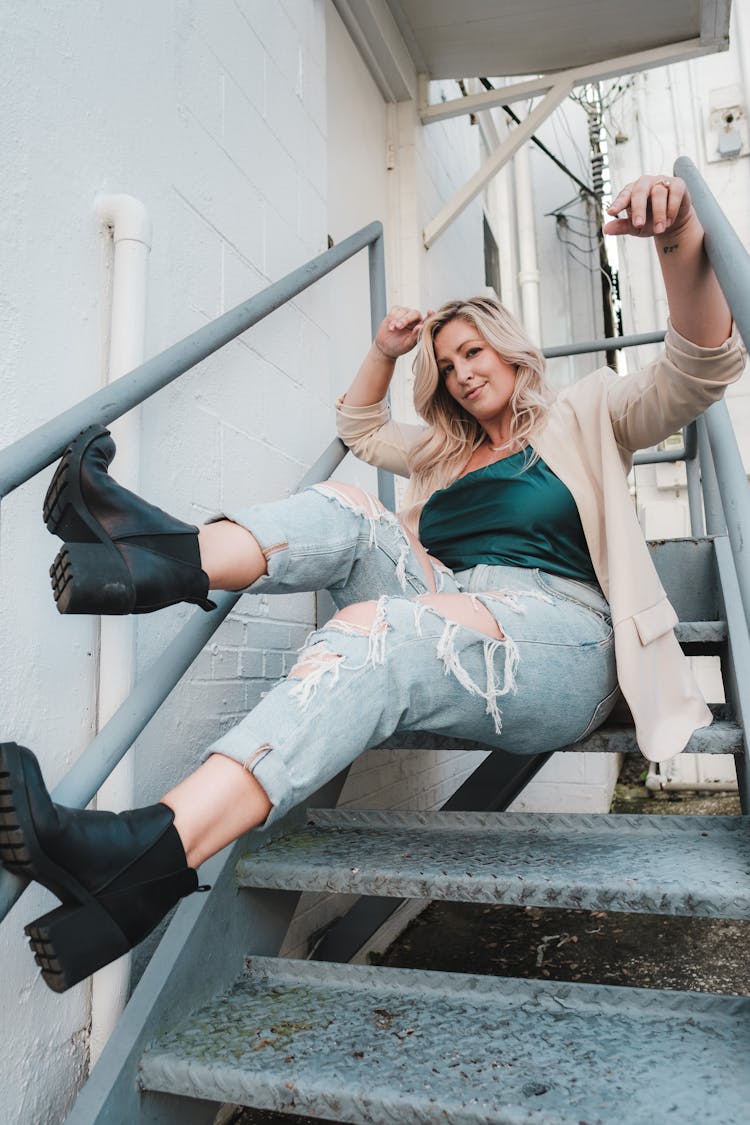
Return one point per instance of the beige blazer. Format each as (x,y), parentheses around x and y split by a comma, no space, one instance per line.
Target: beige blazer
(588,440)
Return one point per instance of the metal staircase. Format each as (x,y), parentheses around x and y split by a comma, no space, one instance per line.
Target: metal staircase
(361,1044)
(217,1017)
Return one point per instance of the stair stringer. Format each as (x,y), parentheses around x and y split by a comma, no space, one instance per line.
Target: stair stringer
(736,662)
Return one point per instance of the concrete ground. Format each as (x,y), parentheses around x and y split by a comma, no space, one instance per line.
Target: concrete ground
(640,950)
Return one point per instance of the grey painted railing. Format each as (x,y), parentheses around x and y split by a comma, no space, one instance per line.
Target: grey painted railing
(40,448)
(731,264)
(27,456)
(606,344)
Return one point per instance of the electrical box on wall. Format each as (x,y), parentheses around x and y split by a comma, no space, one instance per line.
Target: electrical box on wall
(727,135)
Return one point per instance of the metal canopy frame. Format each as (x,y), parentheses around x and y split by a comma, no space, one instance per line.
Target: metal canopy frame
(555,89)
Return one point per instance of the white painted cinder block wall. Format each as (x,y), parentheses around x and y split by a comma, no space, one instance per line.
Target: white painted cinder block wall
(215,118)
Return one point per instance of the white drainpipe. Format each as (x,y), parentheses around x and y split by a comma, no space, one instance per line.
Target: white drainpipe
(528,274)
(130,225)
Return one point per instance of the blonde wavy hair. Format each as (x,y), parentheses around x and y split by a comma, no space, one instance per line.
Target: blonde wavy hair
(452,433)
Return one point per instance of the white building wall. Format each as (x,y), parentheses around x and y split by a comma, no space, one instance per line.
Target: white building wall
(215,117)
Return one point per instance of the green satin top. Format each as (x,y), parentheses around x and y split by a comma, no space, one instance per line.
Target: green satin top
(507,513)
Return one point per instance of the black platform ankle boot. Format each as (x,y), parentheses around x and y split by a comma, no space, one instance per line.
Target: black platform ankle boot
(116,874)
(121,555)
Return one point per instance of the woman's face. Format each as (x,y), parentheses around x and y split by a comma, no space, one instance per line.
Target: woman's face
(475,375)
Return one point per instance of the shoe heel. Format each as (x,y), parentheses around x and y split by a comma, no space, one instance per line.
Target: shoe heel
(72,942)
(91,578)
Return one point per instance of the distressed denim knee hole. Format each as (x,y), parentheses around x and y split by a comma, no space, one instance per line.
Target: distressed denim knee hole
(314,663)
(496,685)
(369,507)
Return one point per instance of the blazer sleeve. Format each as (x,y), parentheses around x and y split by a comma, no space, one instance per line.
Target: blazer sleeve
(649,405)
(373,436)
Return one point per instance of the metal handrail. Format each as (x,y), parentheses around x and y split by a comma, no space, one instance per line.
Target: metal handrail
(27,456)
(606,344)
(34,452)
(688,451)
(731,264)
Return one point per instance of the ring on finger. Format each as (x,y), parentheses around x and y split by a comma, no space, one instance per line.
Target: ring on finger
(664,182)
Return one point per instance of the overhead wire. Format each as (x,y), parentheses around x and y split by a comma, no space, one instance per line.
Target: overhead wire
(562,120)
(540,145)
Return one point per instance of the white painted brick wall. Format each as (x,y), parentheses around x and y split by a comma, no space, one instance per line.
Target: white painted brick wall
(214,116)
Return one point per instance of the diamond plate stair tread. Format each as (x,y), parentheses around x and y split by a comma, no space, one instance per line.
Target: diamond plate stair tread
(722,737)
(698,866)
(409,1047)
(701,632)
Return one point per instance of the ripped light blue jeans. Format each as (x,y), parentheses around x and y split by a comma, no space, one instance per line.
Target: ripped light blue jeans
(537,674)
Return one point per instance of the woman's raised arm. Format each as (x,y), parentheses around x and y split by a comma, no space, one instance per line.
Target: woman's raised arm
(397,335)
(660,207)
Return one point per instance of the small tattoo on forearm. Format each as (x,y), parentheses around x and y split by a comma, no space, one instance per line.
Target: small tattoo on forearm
(669,249)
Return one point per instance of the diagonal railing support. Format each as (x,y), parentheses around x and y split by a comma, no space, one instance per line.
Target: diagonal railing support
(492,165)
(729,258)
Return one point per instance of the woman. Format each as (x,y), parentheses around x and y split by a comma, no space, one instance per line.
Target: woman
(508,640)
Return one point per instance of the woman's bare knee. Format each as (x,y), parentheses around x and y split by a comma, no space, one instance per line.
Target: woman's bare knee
(464,610)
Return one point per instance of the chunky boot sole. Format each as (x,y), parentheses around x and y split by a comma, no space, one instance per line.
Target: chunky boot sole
(20,850)
(72,942)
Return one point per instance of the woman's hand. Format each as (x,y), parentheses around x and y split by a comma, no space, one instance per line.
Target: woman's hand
(654,205)
(399,331)
(396,336)
(660,206)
